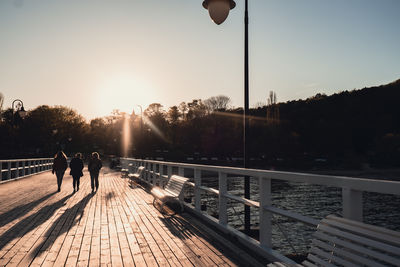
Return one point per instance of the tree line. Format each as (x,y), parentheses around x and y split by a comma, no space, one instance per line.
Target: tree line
(345,130)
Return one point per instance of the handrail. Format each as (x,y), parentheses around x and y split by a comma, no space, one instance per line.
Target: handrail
(352,189)
(361,184)
(15,160)
(19,168)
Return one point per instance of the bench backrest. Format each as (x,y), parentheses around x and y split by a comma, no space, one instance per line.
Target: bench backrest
(175,185)
(140,170)
(344,242)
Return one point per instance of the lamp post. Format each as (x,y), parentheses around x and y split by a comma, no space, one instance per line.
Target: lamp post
(219,11)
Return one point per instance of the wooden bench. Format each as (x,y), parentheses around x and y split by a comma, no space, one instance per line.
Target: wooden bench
(137,175)
(124,173)
(344,242)
(171,192)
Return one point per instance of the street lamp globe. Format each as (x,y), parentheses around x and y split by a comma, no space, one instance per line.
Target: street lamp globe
(219,9)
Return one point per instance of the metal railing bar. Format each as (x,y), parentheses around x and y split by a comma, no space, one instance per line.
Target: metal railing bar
(295,216)
(245,201)
(361,184)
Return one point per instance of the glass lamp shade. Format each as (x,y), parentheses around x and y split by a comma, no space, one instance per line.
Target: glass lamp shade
(218,9)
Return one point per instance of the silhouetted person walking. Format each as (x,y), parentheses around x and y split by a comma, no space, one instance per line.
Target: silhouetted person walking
(94,169)
(76,166)
(59,166)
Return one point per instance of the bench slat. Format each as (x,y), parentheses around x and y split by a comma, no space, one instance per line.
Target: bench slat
(174,184)
(174,194)
(368,233)
(173,188)
(355,247)
(315,259)
(347,254)
(350,243)
(309,264)
(331,257)
(359,239)
(282,264)
(366,226)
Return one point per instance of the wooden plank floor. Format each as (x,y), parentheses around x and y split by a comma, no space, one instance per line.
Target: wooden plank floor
(117,226)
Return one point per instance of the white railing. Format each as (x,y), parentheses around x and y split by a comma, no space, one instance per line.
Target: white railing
(11,169)
(158,172)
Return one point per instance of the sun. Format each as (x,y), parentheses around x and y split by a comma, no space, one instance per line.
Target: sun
(123,92)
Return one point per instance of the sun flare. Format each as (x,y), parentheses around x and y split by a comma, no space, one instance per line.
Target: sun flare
(126,137)
(123,92)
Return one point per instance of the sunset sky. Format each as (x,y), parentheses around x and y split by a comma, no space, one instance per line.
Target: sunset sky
(96,56)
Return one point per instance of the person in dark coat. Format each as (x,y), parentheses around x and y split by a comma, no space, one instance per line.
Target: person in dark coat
(59,166)
(76,166)
(94,169)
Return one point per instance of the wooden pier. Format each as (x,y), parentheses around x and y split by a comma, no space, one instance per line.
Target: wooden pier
(116,226)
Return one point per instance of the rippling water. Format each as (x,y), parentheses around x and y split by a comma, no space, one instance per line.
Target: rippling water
(313,201)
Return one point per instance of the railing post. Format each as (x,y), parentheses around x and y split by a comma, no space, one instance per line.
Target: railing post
(9,170)
(149,175)
(130,167)
(197,191)
(157,177)
(146,173)
(222,186)
(161,171)
(169,171)
(154,174)
(148,168)
(16,169)
(29,167)
(181,171)
(265,216)
(151,172)
(23,167)
(352,204)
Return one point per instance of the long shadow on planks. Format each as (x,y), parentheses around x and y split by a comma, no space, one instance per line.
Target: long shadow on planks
(178,226)
(66,221)
(31,222)
(110,195)
(21,210)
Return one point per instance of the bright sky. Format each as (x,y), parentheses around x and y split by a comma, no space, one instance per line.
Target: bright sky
(96,56)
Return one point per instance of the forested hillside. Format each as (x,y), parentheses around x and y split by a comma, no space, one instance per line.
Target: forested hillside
(346,130)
